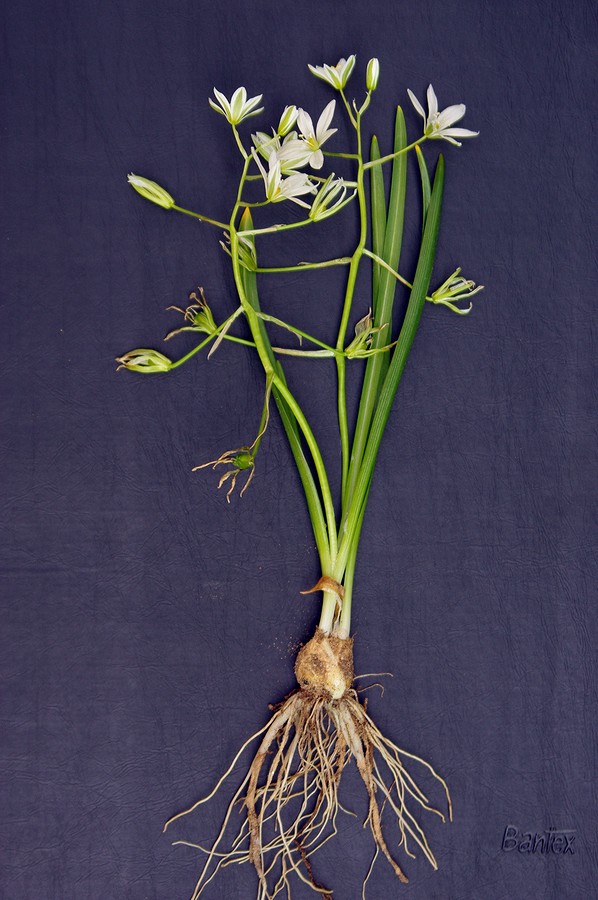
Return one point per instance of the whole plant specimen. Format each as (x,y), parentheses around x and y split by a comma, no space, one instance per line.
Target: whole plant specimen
(289,794)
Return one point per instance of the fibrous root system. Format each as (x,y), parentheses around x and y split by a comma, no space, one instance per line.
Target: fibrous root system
(289,794)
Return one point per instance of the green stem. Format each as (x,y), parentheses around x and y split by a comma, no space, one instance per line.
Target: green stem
(296,331)
(312,495)
(264,418)
(343,629)
(384,159)
(354,122)
(341,155)
(195,215)
(310,489)
(330,600)
(435,300)
(242,149)
(282,351)
(318,464)
(303,267)
(207,340)
(390,269)
(316,354)
(264,350)
(272,229)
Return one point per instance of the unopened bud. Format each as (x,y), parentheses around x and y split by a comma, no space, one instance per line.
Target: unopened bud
(372,73)
(151,191)
(146,361)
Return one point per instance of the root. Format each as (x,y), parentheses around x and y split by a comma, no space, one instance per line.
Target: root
(290,793)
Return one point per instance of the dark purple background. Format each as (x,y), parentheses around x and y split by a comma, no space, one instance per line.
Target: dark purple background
(147,624)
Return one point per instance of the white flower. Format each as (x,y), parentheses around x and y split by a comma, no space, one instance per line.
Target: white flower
(337,75)
(331,198)
(439,124)
(314,138)
(279,188)
(291,153)
(238,108)
(151,191)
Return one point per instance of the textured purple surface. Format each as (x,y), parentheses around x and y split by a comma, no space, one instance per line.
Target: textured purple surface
(145,624)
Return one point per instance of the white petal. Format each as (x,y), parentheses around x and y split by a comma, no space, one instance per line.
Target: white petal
(432,101)
(223,102)
(335,188)
(216,107)
(300,202)
(294,155)
(459,132)
(237,101)
(305,124)
(333,76)
(298,184)
(265,143)
(251,104)
(249,115)
(263,172)
(327,134)
(317,160)
(319,72)
(274,177)
(450,115)
(325,119)
(348,68)
(417,104)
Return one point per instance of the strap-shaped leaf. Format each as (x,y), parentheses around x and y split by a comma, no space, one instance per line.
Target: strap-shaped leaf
(425,180)
(383,300)
(417,301)
(393,236)
(378,217)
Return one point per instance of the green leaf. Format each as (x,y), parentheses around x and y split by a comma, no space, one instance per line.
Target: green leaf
(393,238)
(383,302)
(417,301)
(378,215)
(425,179)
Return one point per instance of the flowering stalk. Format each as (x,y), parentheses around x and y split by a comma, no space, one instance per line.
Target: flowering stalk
(286,154)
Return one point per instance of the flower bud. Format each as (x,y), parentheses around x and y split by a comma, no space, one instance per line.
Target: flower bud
(372,73)
(144,361)
(151,191)
(287,120)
